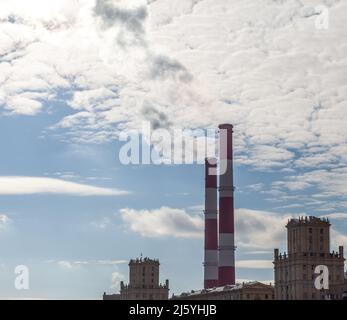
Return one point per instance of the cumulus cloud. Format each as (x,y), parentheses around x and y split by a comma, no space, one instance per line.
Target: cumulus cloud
(12,185)
(338,239)
(266,230)
(163,222)
(260,229)
(116,278)
(255,230)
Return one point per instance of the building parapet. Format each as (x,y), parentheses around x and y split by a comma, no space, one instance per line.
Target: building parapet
(297,255)
(308,220)
(143,260)
(160,286)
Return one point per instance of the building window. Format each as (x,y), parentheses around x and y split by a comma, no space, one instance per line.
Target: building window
(266,297)
(321,231)
(310,230)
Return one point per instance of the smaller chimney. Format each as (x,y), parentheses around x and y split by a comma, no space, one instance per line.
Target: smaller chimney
(211,227)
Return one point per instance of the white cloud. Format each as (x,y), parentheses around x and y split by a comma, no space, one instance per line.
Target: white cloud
(252,280)
(4,220)
(101,224)
(338,239)
(256,187)
(326,187)
(337,216)
(255,230)
(292,185)
(13,185)
(254,264)
(65,264)
(116,278)
(110,262)
(333,180)
(260,229)
(259,64)
(163,222)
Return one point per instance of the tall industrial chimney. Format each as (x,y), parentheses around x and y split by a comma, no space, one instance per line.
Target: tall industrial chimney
(211,225)
(226,259)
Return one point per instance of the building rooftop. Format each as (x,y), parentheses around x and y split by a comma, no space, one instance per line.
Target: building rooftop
(235,287)
(142,260)
(308,221)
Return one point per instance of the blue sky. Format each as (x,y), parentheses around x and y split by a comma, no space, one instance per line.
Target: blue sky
(74,74)
(46,230)
(72,244)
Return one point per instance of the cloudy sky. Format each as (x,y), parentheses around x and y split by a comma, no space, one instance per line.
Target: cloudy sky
(74,74)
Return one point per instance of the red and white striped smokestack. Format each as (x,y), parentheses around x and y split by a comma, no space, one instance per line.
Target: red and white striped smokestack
(211,226)
(226,258)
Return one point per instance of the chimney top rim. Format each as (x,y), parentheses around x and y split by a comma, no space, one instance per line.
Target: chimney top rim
(226,126)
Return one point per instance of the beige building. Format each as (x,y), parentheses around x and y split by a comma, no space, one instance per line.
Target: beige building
(245,291)
(143,282)
(308,247)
